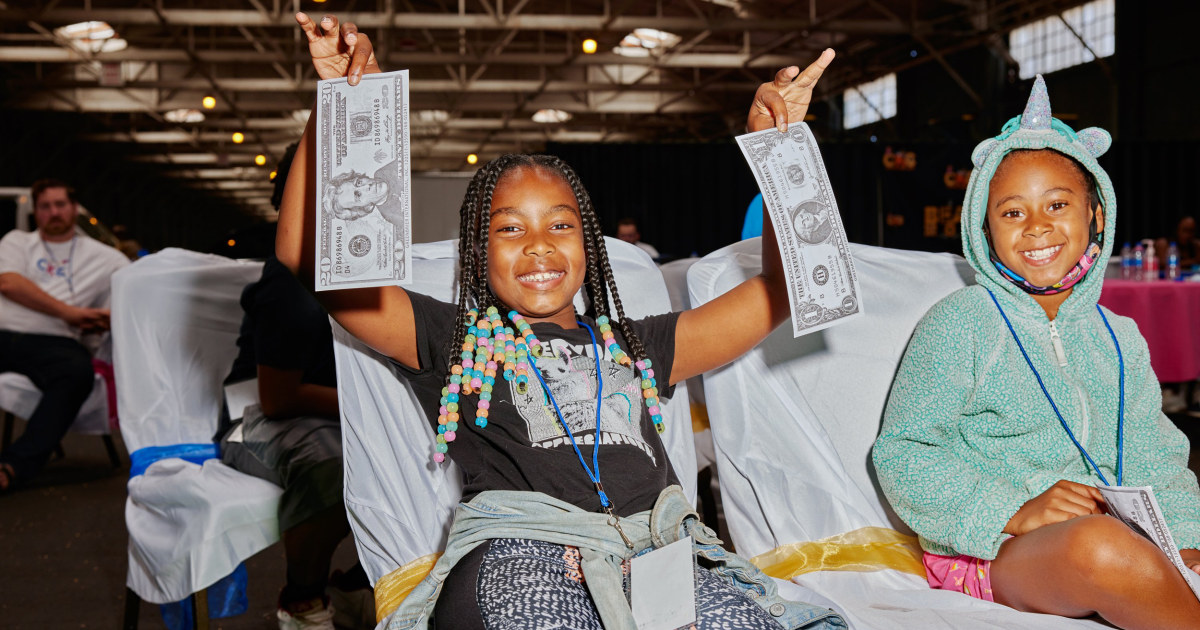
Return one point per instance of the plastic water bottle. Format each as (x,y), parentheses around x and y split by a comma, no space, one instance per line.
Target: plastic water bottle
(1173,262)
(1138,261)
(1126,262)
(1150,271)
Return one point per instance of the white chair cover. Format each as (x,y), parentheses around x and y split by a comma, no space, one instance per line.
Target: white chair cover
(400,502)
(793,423)
(19,396)
(675,275)
(175,322)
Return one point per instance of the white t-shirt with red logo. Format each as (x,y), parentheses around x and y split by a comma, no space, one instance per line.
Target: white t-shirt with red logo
(79,278)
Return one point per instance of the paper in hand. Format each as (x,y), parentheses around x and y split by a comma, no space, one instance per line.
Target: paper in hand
(364,235)
(822,284)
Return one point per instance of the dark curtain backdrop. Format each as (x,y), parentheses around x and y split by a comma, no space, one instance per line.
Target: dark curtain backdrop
(692,198)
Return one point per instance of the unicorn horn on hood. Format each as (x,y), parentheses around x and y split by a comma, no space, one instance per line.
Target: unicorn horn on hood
(1037,111)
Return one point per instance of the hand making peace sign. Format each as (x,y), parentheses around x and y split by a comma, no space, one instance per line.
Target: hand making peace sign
(338,51)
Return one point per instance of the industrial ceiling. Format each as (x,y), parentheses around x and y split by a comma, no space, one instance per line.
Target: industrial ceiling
(480,69)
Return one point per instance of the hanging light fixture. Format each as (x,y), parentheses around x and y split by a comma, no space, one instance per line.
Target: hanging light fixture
(260,159)
(589,46)
(551,116)
(472,158)
(208,102)
(238,137)
(184,116)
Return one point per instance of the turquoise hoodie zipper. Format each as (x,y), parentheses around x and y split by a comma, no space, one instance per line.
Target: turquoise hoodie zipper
(1061,354)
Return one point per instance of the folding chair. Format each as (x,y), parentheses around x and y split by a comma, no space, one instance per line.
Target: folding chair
(399,502)
(798,486)
(191,519)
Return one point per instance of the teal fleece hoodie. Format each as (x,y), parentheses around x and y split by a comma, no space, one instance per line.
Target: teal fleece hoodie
(968,437)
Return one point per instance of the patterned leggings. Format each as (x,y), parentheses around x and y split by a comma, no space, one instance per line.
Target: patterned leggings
(515,584)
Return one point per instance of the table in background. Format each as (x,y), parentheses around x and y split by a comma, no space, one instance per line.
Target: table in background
(1168,316)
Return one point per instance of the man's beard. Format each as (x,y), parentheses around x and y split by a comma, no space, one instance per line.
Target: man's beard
(58,227)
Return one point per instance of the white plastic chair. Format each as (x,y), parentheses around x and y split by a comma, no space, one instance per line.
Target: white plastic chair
(399,502)
(175,322)
(793,423)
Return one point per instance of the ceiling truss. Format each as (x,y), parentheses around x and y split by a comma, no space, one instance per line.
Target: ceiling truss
(479,69)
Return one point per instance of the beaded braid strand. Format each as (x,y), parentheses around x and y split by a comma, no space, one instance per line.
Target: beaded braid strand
(487,342)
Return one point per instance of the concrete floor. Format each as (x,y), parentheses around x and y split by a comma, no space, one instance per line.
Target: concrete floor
(63,550)
(63,544)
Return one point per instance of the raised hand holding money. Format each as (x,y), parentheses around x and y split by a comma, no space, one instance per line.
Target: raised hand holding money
(338,50)
(786,99)
(363,235)
(798,198)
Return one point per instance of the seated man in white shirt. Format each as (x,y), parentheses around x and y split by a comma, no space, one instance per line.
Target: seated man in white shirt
(54,287)
(627,230)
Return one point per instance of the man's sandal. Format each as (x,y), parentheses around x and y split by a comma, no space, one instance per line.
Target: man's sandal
(7,476)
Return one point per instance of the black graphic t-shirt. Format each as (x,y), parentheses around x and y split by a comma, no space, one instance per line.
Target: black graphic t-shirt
(524,446)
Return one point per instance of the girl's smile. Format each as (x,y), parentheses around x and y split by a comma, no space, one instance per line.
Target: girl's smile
(536,255)
(1038,219)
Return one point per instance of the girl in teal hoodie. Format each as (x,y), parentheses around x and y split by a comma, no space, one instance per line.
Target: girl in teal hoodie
(1018,395)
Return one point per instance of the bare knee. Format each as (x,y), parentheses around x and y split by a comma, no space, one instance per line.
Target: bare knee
(1107,554)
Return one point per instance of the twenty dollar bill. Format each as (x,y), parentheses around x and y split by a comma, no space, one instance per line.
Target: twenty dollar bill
(822,284)
(364,235)
(1138,508)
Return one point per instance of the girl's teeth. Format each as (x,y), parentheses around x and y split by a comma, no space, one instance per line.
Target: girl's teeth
(1040,254)
(539,277)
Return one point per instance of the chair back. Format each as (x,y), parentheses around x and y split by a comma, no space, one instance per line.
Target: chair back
(400,502)
(794,420)
(175,322)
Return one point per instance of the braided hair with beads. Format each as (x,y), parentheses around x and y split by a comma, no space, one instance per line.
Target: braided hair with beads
(489,345)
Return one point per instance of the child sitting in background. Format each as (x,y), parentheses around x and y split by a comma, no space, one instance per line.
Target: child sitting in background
(1008,406)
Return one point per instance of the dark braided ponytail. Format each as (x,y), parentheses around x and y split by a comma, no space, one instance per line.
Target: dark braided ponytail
(474,226)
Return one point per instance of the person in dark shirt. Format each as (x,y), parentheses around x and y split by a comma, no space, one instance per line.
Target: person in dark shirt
(292,437)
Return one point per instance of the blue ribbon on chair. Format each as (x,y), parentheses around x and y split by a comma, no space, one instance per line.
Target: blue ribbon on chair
(227,597)
(141,459)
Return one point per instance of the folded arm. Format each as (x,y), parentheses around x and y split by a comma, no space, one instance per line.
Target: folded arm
(23,291)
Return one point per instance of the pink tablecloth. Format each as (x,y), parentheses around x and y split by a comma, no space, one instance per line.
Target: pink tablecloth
(1168,316)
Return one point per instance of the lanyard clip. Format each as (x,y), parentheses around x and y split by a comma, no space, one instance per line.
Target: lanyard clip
(615,521)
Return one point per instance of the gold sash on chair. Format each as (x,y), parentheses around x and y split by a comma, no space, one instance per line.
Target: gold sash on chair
(865,549)
(392,588)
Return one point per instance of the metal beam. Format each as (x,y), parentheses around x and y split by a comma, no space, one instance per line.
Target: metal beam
(48,54)
(454,21)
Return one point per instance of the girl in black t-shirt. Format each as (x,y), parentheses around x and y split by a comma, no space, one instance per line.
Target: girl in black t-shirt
(529,241)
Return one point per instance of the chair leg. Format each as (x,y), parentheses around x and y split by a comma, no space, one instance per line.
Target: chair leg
(708,502)
(133,610)
(200,609)
(8,431)
(111,447)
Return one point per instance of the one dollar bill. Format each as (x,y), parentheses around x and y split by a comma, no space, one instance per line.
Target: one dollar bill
(1138,508)
(364,235)
(822,284)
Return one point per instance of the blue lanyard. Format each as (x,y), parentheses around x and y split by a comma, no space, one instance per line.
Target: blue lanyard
(1120,406)
(593,472)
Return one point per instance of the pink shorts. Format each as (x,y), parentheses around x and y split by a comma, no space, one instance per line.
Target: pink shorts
(962,574)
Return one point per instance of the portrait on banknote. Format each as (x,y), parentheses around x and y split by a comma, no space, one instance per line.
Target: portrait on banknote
(363,183)
(822,283)
(811,221)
